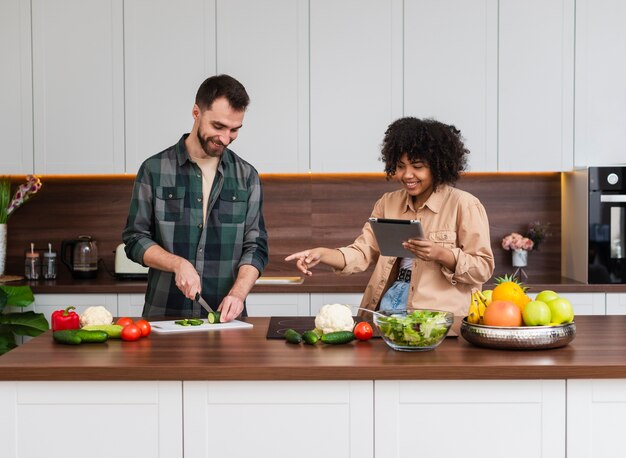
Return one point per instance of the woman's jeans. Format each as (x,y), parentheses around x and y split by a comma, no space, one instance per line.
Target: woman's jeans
(395,298)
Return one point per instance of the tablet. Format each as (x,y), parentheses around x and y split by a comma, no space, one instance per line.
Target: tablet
(390,233)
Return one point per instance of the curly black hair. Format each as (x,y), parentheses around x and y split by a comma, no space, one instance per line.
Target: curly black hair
(438,145)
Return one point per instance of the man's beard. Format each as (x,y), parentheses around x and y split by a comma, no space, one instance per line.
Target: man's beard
(211,146)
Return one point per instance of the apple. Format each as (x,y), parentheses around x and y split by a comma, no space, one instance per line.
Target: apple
(536,313)
(546,296)
(562,310)
(487,293)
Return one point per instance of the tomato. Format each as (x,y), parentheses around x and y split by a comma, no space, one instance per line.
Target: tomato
(363,331)
(125,321)
(131,332)
(144,326)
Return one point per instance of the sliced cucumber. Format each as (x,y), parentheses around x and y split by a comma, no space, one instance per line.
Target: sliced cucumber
(214,317)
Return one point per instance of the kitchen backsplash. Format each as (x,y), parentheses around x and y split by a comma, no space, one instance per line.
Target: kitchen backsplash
(301,211)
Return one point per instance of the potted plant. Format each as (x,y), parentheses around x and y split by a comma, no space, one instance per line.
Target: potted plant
(18,323)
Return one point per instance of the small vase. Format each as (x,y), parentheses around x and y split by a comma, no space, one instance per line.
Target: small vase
(520,258)
(3,248)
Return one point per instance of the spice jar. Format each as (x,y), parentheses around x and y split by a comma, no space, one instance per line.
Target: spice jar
(49,265)
(32,265)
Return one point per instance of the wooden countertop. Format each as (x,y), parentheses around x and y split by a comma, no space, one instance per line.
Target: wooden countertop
(598,351)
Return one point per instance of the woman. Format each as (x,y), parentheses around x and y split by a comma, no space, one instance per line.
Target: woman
(426,158)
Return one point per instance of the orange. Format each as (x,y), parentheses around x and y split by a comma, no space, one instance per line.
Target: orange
(512,292)
(502,313)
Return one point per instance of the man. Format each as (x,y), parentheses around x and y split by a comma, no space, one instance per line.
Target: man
(196,216)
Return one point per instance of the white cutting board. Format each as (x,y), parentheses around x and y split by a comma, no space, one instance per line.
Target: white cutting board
(169,326)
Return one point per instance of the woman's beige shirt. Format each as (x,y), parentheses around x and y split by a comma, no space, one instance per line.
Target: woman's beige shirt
(450,217)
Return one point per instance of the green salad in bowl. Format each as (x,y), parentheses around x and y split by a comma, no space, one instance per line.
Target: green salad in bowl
(416,330)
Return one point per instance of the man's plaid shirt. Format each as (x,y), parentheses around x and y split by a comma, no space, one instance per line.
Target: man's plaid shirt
(166,209)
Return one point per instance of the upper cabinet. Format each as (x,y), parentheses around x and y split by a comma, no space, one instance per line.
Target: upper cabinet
(78,86)
(166,58)
(16,116)
(264,44)
(600,82)
(535,85)
(451,70)
(99,86)
(356,81)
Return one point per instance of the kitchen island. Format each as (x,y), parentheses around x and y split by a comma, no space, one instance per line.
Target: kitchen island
(360,399)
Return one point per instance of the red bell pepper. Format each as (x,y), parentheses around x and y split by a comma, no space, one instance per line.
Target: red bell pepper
(65,319)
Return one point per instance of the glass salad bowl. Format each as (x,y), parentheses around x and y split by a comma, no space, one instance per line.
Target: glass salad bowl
(415,330)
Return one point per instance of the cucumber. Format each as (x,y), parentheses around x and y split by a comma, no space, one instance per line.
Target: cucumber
(338,337)
(114,331)
(214,317)
(189,322)
(292,336)
(195,321)
(67,337)
(310,337)
(92,336)
(78,336)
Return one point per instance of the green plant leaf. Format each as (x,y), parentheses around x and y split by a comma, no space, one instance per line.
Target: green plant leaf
(7,340)
(5,196)
(4,297)
(20,296)
(25,323)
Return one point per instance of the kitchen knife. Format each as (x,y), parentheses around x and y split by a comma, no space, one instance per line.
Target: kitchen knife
(200,300)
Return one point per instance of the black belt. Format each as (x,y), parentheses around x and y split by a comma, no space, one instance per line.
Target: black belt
(404,275)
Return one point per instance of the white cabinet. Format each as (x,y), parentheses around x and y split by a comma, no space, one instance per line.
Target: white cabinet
(320,299)
(587,303)
(600,114)
(481,418)
(130,305)
(48,303)
(308,418)
(140,418)
(169,49)
(596,411)
(286,304)
(451,70)
(616,304)
(535,85)
(356,81)
(16,116)
(78,86)
(265,46)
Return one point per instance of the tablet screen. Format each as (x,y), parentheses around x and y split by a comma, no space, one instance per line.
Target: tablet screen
(390,233)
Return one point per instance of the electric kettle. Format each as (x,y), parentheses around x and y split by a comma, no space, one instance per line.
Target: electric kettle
(80,256)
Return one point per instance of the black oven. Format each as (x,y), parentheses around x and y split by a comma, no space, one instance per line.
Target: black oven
(607,225)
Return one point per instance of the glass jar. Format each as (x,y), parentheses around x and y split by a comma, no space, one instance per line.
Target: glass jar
(32,266)
(49,265)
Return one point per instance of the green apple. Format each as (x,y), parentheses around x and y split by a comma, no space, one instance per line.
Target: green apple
(536,313)
(546,296)
(487,293)
(562,310)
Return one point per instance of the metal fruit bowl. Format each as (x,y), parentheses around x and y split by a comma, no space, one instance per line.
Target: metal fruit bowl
(518,338)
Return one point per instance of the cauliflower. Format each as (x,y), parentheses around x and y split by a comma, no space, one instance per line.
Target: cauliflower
(334,317)
(96,315)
